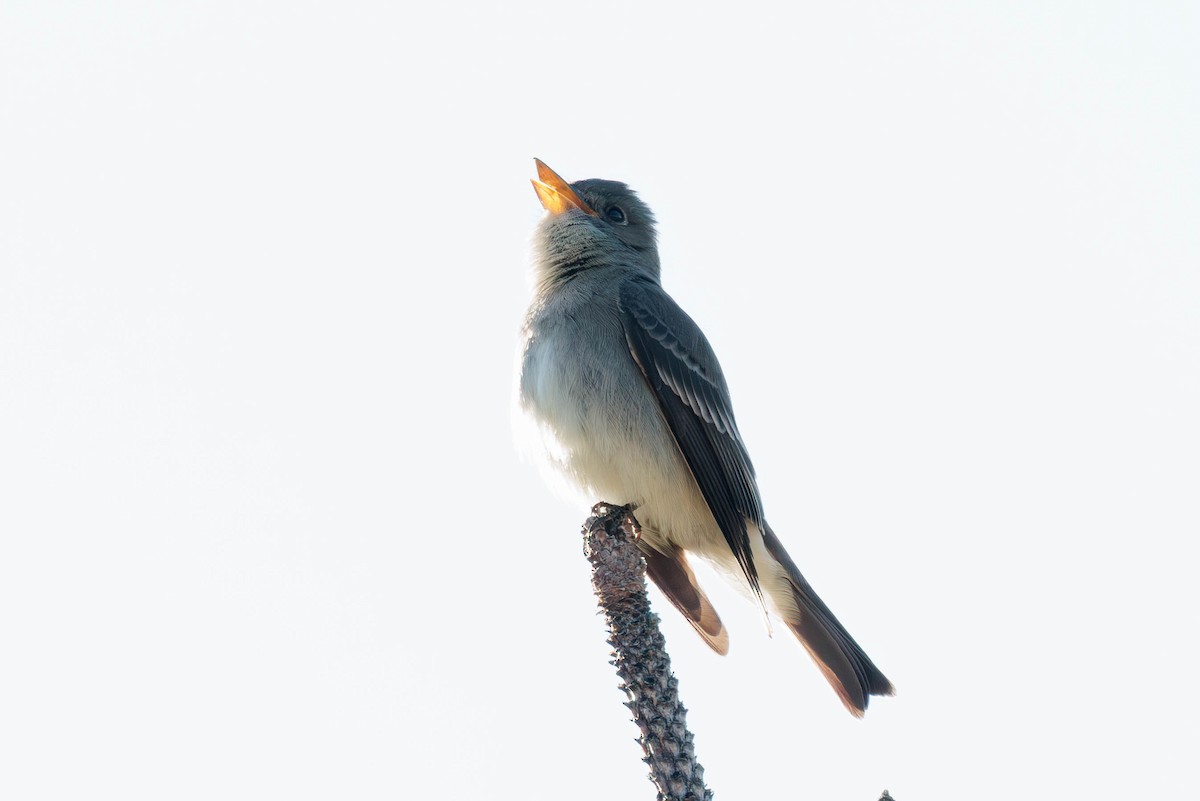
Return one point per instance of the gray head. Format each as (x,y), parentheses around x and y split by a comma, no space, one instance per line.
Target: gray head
(591,225)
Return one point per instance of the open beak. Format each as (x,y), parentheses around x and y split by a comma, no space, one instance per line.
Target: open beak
(555,193)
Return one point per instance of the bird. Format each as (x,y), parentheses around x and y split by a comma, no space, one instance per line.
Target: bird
(626,401)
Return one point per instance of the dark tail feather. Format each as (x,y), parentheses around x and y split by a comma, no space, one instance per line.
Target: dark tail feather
(673,575)
(851,672)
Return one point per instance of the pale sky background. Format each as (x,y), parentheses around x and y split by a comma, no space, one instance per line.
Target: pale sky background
(263,533)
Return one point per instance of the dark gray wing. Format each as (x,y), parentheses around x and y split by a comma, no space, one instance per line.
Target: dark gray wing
(684,375)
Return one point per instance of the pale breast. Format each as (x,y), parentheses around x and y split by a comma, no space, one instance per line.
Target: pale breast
(590,416)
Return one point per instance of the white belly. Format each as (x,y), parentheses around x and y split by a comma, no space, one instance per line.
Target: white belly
(598,426)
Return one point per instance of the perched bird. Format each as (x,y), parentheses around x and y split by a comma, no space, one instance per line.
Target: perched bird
(632,408)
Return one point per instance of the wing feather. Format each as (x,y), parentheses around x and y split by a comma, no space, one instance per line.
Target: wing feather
(682,371)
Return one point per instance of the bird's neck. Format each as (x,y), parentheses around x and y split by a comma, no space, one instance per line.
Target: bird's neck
(556,268)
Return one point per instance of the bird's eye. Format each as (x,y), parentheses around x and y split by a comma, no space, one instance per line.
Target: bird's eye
(615,214)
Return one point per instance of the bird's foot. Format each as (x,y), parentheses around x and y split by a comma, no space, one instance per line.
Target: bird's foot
(629,523)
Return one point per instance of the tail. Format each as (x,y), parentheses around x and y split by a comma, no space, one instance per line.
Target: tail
(674,576)
(851,672)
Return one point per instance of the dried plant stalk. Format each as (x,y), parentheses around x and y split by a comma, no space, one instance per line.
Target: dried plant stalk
(640,654)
